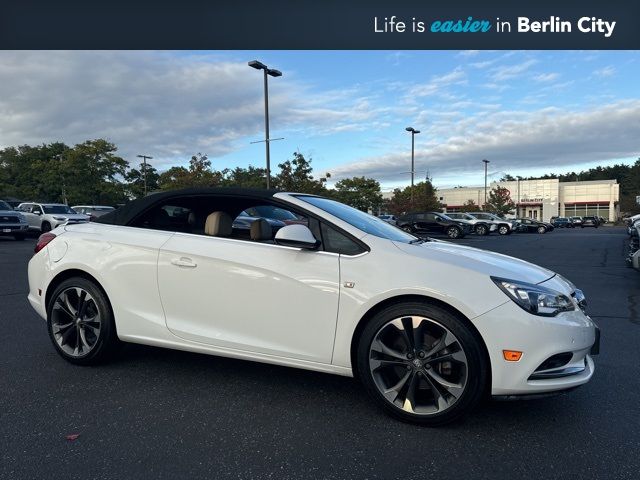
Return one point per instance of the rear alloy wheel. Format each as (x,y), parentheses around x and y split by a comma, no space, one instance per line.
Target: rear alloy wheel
(454,232)
(46,227)
(80,322)
(541,229)
(482,230)
(422,364)
(503,230)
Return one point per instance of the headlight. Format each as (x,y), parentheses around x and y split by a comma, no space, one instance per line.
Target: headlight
(535,299)
(60,218)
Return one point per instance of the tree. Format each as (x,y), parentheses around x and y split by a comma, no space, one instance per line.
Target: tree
(500,201)
(470,206)
(136,178)
(508,178)
(251,177)
(199,174)
(359,192)
(295,176)
(424,199)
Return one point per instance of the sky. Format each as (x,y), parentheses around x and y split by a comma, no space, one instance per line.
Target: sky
(527,112)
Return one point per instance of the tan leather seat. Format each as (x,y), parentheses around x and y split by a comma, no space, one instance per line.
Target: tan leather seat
(260,230)
(218,224)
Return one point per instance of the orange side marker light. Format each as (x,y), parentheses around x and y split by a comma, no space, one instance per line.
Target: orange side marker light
(511,355)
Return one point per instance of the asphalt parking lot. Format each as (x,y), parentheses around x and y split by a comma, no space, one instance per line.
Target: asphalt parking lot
(156,413)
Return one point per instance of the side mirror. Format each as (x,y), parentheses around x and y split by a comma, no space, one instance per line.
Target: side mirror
(36,211)
(298,236)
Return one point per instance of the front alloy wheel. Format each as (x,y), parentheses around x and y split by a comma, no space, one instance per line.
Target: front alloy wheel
(482,230)
(503,229)
(423,365)
(453,232)
(541,229)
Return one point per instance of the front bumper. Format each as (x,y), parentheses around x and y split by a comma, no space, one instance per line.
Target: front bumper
(13,228)
(569,334)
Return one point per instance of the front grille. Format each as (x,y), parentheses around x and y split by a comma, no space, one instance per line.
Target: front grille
(9,219)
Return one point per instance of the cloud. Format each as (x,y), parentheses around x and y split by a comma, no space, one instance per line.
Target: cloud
(546,77)
(169,105)
(438,83)
(549,137)
(608,71)
(508,72)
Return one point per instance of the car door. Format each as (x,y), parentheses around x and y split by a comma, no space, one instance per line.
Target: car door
(32,219)
(250,296)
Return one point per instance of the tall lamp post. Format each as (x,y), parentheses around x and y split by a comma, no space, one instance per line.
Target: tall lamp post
(413,144)
(274,73)
(486,162)
(144,170)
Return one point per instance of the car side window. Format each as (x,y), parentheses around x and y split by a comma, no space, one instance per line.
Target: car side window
(337,242)
(36,209)
(430,217)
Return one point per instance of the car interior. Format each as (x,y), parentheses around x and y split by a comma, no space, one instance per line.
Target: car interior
(227,217)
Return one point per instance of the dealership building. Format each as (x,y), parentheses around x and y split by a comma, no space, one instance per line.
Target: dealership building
(543,199)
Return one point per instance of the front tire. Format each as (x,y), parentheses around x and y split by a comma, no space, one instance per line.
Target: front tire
(482,230)
(542,230)
(80,322)
(454,232)
(45,227)
(422,364)
(503,230)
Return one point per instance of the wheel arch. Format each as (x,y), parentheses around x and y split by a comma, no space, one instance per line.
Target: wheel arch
(355,339)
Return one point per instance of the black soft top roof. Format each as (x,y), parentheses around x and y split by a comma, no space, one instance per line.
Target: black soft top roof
(123,215)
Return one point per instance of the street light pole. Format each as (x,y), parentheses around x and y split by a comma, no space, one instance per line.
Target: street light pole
(144,170)
(413,170)
(274,73)
(64,193)
(486,162)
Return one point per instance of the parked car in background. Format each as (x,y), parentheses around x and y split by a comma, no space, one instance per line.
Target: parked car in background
(527,225)
(576,221)
(44,217)
(590,222)
(562,222)
(12,223)
(480,227)
(392,219)
(504,227)
(94,211)
(433,222)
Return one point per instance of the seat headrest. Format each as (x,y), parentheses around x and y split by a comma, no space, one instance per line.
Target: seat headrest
(260,230)
(191,219)
(218,224)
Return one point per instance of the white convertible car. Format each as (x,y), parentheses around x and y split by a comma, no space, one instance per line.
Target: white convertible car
(429,327)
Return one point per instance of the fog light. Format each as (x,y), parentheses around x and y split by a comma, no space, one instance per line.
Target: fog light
(511,355)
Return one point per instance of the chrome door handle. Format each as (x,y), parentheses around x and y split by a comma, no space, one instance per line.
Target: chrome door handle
(184,262)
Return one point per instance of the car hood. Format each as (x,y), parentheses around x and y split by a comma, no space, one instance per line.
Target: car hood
(481,261)
(70,216)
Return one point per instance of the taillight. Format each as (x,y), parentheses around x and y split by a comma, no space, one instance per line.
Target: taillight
(44,239)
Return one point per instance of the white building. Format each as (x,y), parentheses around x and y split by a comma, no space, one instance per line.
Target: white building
(543,199)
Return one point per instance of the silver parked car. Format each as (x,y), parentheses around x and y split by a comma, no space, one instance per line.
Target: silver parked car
(11,222)
(44,217)
(94,211)
(392,219)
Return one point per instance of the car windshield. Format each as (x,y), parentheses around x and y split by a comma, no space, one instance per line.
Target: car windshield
(362,221)
(57,209)
(5,206)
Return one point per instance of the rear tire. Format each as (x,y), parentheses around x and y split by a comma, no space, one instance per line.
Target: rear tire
(81,323)
(482,230)
(435,391)
(542,230)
